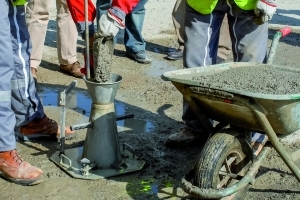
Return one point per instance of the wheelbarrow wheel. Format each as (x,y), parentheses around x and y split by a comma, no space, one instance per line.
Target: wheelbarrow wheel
(223,160)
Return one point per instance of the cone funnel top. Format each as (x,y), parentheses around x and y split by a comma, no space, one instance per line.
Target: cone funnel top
(104,93)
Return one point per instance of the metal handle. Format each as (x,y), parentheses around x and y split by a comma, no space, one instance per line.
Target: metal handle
(90,124)
(281,33)
(121,117)
(285,31)
(130,147)
(61,160)
(81,126)
(62,102)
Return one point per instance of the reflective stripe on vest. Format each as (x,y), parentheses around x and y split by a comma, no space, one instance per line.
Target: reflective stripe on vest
(5,95)
(17,84)
(207,6)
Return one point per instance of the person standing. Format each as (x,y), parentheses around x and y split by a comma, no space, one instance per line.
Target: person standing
(133,40)
(21,110)
(248,26)
(37,18)
(178,20)
(133,24)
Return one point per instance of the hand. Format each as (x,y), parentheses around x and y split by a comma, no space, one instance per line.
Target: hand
(265,10)
(109,25)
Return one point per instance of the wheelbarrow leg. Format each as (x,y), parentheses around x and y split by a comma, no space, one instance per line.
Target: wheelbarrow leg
(200,115)
(276,143)
(189,97)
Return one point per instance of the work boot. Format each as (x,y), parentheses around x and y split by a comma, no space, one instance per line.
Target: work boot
(73,69)
(43,127)
(175,55)
(139,56)
(182,138)
(13,168)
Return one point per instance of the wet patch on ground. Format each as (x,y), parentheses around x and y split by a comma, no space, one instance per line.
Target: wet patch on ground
(158,106)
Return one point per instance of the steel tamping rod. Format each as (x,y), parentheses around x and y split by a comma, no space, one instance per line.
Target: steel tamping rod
(87,45)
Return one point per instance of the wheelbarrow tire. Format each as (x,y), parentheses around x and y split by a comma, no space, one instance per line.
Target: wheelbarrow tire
(228,143)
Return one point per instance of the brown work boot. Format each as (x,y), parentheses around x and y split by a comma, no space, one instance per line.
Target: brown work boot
(43,127)
(13,168)
(73,69)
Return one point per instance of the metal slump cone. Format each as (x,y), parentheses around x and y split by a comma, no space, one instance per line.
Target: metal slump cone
(101,145)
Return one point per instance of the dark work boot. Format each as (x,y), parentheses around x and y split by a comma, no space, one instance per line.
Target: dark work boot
(175,55)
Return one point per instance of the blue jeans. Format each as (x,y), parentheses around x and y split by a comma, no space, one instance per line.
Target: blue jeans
(134,21)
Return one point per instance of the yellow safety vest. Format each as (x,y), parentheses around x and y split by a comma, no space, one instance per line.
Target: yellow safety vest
(207,6)
(19,2)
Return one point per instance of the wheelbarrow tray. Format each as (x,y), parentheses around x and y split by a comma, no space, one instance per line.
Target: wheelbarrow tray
(225,105)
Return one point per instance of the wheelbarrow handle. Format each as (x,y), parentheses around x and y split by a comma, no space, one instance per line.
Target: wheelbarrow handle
(285,31)
(281,33)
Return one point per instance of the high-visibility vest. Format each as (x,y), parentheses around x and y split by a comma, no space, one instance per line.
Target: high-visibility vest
(19,2)
(207,6)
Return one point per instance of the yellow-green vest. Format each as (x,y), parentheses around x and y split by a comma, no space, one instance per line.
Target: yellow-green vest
(207,6)
(20,2)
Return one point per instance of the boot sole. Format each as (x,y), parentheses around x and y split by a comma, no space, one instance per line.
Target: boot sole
(24,182)
(174,58)
(70,73)
(138,60)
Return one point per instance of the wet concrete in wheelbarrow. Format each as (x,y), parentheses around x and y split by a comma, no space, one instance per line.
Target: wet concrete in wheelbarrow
(254,79)
(151,100)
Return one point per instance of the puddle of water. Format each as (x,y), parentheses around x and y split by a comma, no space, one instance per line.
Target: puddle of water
(164,188)
(75,101)
(159,67)
(81,103)
(137,125)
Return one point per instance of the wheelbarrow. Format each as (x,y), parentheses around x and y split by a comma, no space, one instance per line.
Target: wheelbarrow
(229,160)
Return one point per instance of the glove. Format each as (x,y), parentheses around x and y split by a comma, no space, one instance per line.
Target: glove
(109,25)
(265,10)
